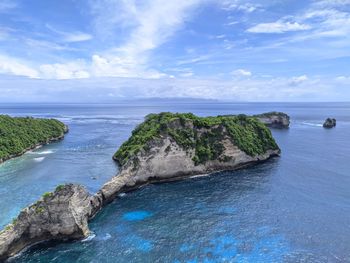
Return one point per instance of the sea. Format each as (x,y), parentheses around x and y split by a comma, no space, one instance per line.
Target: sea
(293,208)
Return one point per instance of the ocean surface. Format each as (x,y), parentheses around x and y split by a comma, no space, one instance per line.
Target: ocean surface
(295,208)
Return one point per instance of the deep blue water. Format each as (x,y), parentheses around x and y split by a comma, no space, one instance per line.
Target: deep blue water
(295,208)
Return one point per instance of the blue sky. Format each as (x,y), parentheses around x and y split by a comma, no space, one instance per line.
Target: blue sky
(239,50)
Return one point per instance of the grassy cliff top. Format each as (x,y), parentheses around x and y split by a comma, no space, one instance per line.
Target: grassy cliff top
(271,114)
(250,135)
(18,134)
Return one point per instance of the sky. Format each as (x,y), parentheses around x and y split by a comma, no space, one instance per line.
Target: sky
(234,50)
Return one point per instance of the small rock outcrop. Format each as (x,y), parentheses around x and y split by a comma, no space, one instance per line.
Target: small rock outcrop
(165,147)
(330,123)
(60,215)
(277,120)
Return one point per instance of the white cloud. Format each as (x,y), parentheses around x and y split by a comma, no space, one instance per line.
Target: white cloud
(153,23)
(75,36)
(241,73)
(72,70)
(278,27)
(295,81)
(239,5)
(343,79)
(193,60)
(13,66)
(45,45)
(107,66)
(220,36)
(331,3)
(111,14)
(330,23)
(186,74)
(327,38)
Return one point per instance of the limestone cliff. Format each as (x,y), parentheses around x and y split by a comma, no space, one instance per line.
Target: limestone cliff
(278,120)
(163,148)
(181,145)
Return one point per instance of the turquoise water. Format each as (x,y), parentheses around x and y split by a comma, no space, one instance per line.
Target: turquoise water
(290,209)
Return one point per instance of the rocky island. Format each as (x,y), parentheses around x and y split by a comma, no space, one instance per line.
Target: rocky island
(277,120)
(21,134)
(164,147)
(330,123)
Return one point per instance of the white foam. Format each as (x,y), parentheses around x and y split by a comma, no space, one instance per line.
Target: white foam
(99,116)
(39,159)
(106,237)
(121,194)
(200,175)
(89,238)
(41,152)
(46,152)
(312,124)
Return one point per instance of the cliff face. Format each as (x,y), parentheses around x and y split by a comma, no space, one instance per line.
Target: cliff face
(56,216)
(185,145)
(165,147)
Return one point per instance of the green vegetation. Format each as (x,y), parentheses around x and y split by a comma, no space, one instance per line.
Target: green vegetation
(204,134)
(39,209)
(59,187)
(47,195)
(8,227)
(19,134)
(38,206)
(271,114)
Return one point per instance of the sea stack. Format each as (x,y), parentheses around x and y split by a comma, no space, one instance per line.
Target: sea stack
(165,147)
(330,123)
(277,120)
(59,215)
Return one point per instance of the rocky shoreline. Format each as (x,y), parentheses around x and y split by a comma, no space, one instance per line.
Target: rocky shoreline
(172,151)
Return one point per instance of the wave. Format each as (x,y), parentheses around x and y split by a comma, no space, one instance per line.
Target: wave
(199,175)
(89,238)
(63,119)
(115,119)
(45,152)
(106,237)
(39,159)
(98,116)
(112,121)
(312,124)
